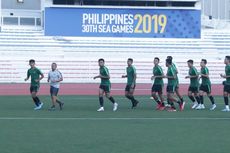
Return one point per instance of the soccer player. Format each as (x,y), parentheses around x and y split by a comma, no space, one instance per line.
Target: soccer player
(36,75)
(205,86)
(171,76)
(131,82)
(158,84)
(177,80)
(226,83)
(194,84)
(104,86)
(55,77)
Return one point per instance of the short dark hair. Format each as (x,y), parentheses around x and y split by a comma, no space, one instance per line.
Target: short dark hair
(54,63)
(170,57)
(101,59)
(157,59)
(227,57)
(204,60)
(32,61)
(169,61)
(130,59)
(190,61)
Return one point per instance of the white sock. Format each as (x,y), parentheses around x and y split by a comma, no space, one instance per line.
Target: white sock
(227,107)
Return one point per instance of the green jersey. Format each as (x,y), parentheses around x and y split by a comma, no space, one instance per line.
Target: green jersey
(175,69)
(194,82)
(131,72)
(205,80)
(157,71)
(34,73)
(170,73)
(227,73)
(104,71)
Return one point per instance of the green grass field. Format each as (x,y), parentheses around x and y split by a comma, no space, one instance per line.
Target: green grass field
(80,129)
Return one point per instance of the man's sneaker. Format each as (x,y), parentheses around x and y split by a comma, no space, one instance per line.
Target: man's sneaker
(182,106)
(195,104)
(167,105)
(135,104)
(202,106)
(225,110)
(162,108)
(61,105)
(115,107)
(171,109)
(158,106)
(198,107)
(151,97)
(101,109)
(39,107)
(213,107)
(52,108)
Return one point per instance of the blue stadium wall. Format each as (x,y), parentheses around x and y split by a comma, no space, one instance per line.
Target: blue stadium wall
(123,22)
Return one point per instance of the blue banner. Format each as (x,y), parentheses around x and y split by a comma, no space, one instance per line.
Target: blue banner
(124,22)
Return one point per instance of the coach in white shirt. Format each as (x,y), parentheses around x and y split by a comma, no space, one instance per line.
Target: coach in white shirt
(55,77)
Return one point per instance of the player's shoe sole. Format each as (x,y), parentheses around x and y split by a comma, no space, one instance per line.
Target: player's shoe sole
(225,110)
(39,107)
(135,104)
(213,107)
(101,109)
(182,106)
(115,105)
(61,106)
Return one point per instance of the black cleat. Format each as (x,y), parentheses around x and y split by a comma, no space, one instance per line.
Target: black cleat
(61,105)
(52,108)
(135,104)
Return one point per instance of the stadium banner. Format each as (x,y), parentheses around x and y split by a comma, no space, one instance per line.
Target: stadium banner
(123,22)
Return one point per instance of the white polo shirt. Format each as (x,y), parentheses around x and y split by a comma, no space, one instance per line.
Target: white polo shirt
(54,76)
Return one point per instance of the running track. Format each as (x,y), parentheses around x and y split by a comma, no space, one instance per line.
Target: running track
(89,89)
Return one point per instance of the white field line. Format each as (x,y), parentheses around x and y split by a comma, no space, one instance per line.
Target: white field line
(98,119)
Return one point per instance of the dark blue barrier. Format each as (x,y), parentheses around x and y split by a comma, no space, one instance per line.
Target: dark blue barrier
(123,22)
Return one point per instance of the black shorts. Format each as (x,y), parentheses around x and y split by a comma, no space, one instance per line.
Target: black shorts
(34,89)
(128,87)
(53,91)
(170,89)
(205,88)
(193,89)
(227,88)
(157,88)
(106,88)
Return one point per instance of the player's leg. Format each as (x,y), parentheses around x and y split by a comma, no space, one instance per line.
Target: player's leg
(127,89)
(134,101)
(201,94)
(170,98)
(115,105)
(196,95)
(156,89)
(211,98)
(34,91)
(128,94)
(178,94)
(171,102)
(191,97)
(226,100)
(181,103)
(154,95)
(176,100)
(33,95)
(54,93)
(101,100)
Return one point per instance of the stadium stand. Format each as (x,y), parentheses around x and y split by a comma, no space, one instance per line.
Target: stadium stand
(77,56)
